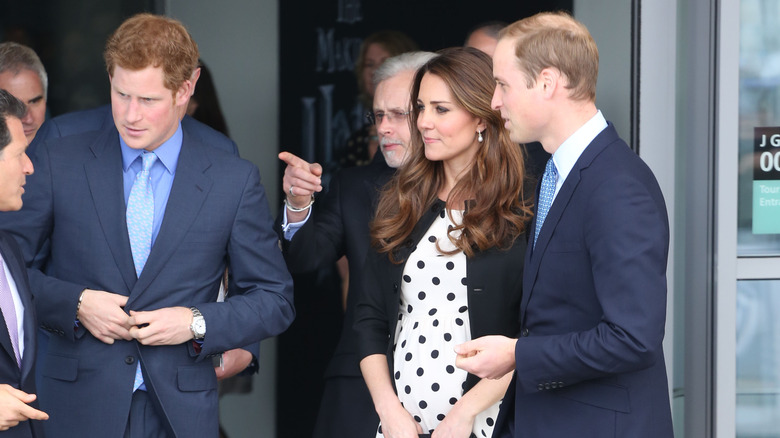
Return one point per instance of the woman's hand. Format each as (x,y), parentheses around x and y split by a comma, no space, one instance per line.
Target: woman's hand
(398,423)
(455,425)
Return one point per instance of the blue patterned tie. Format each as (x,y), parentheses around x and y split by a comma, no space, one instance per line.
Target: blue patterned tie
(140,221)
(546,194)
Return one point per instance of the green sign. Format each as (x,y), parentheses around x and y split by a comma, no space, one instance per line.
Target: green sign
(766,181)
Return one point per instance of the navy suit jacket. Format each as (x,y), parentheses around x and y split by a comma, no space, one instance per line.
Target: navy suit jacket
(95,119)
(589,358)
(217,216)
(10,373)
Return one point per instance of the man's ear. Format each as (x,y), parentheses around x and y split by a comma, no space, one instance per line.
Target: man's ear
(194,80)
(549,79)
(182,95)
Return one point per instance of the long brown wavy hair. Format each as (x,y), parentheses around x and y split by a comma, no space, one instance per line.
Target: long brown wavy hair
(497,210)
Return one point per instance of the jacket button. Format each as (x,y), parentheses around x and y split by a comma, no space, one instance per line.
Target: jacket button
(129,360)
(547,386)
(560,384)
(524,332)
(540,387)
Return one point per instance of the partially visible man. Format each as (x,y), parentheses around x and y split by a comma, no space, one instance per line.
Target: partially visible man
(589,360)
(22,74)
(341,227)
(484,36)
(143,218)
(18,414)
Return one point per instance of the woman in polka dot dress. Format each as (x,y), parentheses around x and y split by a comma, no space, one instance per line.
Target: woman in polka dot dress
(446,266)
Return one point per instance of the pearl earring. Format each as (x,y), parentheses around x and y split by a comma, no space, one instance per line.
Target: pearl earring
(479,139)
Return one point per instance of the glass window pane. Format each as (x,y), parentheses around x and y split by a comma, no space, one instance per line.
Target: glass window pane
(758,358)
(759,128)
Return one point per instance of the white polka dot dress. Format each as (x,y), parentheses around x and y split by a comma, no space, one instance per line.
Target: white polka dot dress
(433,318)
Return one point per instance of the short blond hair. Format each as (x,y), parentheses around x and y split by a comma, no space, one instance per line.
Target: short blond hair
(556,40)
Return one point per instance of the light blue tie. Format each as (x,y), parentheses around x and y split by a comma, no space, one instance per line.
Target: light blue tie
(546,195)
(140,221)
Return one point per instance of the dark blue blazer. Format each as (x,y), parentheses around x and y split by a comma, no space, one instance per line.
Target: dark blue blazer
(95,119)
(589,356)
(10,373)
(217,216)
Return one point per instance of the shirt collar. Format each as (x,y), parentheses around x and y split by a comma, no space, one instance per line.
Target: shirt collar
(167,153)
(570,150)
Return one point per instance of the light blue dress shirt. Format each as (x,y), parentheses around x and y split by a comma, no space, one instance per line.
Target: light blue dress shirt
(162,172)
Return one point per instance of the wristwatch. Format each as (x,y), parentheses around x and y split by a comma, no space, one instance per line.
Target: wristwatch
(198,326)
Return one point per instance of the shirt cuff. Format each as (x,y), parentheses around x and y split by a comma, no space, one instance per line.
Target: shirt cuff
(290,229)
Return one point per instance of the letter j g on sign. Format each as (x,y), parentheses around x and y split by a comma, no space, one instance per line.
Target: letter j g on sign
(766,180)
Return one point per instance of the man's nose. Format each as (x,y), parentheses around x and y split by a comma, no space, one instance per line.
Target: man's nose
(495,102)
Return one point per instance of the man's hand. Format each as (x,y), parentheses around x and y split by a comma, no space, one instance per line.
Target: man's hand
(166,326)
(101,313)
(303,177)
(14,407)
(233,362)
(487,357)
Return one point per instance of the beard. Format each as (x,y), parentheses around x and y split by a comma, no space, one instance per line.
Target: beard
(394,158)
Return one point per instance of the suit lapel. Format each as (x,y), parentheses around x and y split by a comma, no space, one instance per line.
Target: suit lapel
(188,193)
(104,176)
(557,209)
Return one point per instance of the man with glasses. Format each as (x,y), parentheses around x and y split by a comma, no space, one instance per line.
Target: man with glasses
(339,227)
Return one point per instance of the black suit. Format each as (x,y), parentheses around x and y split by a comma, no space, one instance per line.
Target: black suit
(338,227)
(10,373)
(494,284)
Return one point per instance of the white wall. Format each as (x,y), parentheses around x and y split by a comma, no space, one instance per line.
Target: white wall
(238,40)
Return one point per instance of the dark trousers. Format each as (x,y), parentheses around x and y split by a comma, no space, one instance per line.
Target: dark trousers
(346,410)
(144,421)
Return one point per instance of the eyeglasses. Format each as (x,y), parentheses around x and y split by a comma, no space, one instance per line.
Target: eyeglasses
(393,116)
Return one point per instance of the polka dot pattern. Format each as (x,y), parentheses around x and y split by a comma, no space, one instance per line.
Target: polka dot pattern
(433,319)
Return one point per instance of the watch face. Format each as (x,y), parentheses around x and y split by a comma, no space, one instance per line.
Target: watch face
(199,326)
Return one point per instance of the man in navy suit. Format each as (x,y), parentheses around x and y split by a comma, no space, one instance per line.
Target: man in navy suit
(231,362)
(136,363)
(588,360)
(17,315)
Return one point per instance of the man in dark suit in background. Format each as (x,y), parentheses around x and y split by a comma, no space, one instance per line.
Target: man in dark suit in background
(340,228)
(18,413)
(143,217)
(589,359)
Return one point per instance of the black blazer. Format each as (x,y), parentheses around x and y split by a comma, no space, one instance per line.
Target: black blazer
(10,373)
(494,278)
(340,226)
